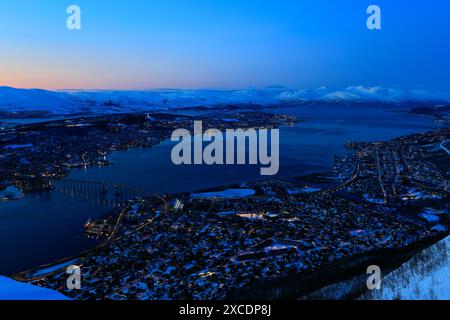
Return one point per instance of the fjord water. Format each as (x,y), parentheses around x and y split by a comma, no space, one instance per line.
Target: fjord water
(45,227)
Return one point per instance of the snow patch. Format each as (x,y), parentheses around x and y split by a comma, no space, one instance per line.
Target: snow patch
(13,290)
(225,194)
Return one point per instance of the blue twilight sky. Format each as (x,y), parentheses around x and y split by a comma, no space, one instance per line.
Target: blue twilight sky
(224,44)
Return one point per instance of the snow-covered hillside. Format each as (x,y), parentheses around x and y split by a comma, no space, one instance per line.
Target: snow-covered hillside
(13,290)
(425,277)
(102,101)
(12,99)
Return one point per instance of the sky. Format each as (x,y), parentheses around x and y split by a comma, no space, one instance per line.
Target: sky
(143,44)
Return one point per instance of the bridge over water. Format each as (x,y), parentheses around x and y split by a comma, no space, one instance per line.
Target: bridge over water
(111,195)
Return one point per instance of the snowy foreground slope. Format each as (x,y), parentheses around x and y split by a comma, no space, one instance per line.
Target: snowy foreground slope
(425,277)
(108,101)
(13,290)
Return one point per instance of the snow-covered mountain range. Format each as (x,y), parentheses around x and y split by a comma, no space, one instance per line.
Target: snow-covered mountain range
(103,101)
(361,93)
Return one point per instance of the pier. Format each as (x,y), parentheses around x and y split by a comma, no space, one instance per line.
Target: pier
(111,195)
